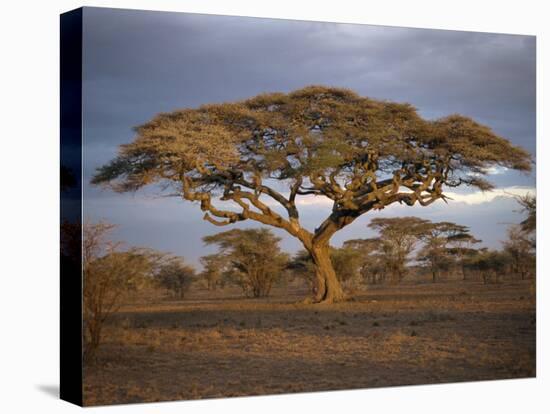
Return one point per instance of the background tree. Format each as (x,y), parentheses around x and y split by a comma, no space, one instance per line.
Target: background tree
(398,238)
(521,243)
(346,261)
(372,267)
(302,265)
(490,264)
(444,242)
(529,206)
(107,274)
(214,267)
(175,276)
(519,247)
(347,265)
(462,246)
(254,258)
(361,153)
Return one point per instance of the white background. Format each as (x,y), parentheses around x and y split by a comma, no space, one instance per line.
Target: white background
(29,206)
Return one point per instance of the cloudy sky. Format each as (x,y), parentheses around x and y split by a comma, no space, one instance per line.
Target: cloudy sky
(137,64)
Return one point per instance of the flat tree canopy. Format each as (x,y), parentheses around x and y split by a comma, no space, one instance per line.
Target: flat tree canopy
(361,153)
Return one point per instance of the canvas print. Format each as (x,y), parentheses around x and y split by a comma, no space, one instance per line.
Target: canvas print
(271,206)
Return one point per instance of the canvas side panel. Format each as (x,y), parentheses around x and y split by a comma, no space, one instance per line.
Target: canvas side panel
(71,206)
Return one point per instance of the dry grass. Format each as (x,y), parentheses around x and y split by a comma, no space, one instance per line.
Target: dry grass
(207,346)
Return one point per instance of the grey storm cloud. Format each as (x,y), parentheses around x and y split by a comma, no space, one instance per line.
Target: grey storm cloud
(138,63)
(158,61)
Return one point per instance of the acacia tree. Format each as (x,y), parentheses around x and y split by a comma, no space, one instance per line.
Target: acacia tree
(461,247)
(398,238)
(346,260)
(347,265)
(528,203)
(361,153)
(372,266)
(521,243)
(176,276)
(107,274)
(214,267)
(253,257)
(520,248)
(302,265)
(489,263)
(442,243)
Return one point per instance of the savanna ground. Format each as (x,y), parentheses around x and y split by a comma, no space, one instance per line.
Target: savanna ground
(219,344)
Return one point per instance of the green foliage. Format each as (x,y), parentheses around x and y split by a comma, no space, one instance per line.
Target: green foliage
(374,260)
(386,257)
(363,154)
(302,266)
(252,259)
(347,262)
(175,276)
(520,248)
(529,206)
(107,274)
(491,264)
(214,268)
(327,141)
(445,243)
(398,238)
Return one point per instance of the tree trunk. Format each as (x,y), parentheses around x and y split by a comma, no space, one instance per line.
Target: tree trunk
(328,288)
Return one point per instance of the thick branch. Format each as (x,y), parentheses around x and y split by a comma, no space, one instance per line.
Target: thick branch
(289,204)
(235,194)
(424,190)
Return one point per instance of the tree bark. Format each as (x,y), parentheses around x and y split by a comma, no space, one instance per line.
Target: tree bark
(328,288)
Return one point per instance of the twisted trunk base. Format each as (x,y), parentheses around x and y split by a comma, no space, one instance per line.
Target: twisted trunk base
(328,289)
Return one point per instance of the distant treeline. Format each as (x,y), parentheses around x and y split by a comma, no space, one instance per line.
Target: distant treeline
(404,248)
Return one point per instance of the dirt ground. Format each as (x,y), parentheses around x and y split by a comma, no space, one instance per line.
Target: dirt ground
(211,346)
